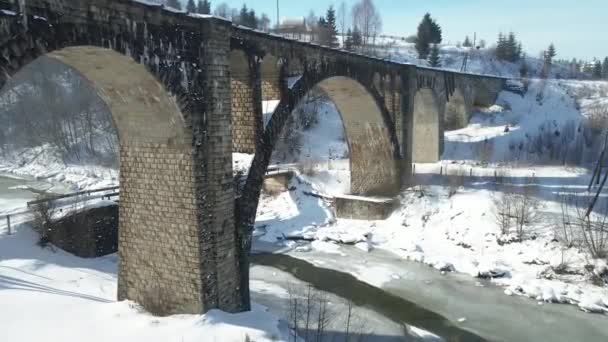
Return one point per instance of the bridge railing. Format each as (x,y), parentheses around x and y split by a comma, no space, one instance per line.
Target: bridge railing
(79,197)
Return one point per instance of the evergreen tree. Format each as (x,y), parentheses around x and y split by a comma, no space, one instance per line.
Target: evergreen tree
(605,68)
(357,38)
(252,19)
(322,36)
(175,4)
(500,47)
(550,53)
(511,48)
(434,59)
(524,69)
(424,37)
(348,42)
(204,7)
(597,69)
(467,42)
(520,51)
(436,32)
(243,15)
(508,48)
(191,6)
(332,31)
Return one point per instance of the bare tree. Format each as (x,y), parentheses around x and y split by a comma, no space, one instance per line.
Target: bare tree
(367,19)
(503,214)
(223,10)
(525,209)
(312,21)
(342,10)
(593,229)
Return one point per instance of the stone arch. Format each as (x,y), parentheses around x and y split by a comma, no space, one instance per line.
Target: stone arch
(373,166)
(457,111)
(175,207)
(427,133)
(373,148)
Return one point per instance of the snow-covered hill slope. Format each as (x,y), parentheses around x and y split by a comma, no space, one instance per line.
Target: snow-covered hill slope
(482,61)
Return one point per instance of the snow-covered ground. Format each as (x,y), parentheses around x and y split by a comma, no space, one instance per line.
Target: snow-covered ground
(482,61)
(45,163)
(458,231)
(52,294)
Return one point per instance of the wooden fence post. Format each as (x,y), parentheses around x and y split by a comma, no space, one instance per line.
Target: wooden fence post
(8,223)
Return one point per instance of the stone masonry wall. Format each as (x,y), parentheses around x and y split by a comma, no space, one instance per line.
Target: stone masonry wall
(158,230)
(220,264)
(243,117)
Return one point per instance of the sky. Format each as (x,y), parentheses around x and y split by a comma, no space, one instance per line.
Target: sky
(578,28)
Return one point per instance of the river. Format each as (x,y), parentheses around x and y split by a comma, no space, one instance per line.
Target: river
(446,305)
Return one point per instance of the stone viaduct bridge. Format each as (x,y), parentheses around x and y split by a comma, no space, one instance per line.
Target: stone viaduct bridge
(185,92)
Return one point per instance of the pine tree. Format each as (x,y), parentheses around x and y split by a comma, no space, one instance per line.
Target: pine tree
(357,38)
(467,42)
(332,31)
(597,69)
(436,33)
(605,68)
(434,59)
(191,6)
(252,19)
(501,53)
(550,53)
(204,7)
(520,51)
(243,15)
(322,36)
(511,48)
(348,42)
(524,69)
(424,36)
(175,4)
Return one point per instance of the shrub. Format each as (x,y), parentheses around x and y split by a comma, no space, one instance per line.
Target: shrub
(42,221)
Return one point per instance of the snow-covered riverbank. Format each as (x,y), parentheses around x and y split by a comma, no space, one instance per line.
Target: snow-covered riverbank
(45,163)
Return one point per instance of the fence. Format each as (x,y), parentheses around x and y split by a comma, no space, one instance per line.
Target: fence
(51,199)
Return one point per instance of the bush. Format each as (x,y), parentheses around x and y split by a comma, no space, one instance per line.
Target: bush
(42,220)
(309,317)
(455,180)
(578,229)
(517,210)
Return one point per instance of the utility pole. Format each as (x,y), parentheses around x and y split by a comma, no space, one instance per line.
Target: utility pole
(278,22)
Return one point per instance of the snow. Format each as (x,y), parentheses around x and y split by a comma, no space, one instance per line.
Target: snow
(458,233)
(44,163)
(482,61)
(50,288)
(7,12)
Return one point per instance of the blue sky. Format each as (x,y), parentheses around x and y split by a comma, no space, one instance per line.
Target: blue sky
(579,28)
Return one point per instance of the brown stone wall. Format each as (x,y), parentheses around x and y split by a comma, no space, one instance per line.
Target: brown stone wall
(271,89)
(243,116)
(158,230)
(215,193)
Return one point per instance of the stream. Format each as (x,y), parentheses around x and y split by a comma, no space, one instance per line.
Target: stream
(454,306)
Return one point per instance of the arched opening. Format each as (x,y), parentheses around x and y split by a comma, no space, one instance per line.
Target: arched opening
(314,140)
(271,85)
(457,111)
(158,183)
(373,166)
(427,133)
